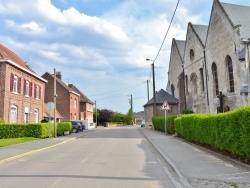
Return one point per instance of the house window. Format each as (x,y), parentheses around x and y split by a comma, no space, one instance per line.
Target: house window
(202,79)
(37,91)
(230,73)
(172,89)
(26,88)
(89,107)
(36,115)
(13,114)
(215,79)
(194,83)
(15,84)
(75,103)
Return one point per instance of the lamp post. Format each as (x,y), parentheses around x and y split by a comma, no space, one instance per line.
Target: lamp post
(247,59)
(153,70)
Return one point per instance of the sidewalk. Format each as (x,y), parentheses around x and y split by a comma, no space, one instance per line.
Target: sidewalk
(197,164)
(19,150)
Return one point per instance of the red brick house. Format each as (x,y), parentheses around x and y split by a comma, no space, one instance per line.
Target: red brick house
(86,105)
(21,90)
(67,102)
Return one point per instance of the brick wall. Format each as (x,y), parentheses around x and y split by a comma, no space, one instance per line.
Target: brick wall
(21,101)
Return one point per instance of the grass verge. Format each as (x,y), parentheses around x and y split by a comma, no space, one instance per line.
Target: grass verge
(12,141)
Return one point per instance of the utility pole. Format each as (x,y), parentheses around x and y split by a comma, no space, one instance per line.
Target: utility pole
(95,114)
(148,90)
(55,95)
(131,103)
(153,70)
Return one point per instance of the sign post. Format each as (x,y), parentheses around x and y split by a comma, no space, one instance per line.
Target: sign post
(50,106)
(165,106)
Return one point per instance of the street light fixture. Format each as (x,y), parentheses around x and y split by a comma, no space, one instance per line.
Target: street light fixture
(153,70)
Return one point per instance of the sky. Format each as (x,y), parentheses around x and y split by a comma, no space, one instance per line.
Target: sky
(101,46)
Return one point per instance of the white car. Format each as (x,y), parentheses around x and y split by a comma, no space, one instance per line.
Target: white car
(143,123)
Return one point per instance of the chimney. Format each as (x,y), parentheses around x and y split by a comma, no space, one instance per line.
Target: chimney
(59,75)
(70,85)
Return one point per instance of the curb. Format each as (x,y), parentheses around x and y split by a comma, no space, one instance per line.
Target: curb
(184,181)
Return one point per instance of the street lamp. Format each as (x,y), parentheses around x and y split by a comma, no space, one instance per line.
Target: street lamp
(247,59)
(153,70)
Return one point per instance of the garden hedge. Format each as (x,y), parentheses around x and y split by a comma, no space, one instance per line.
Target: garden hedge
(159,123)
(228,131)
(37,130)
(63,126)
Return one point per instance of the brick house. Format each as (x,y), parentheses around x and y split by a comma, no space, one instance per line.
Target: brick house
(214,71)
(21,90)
(86,105)
(67,102)
(160,97)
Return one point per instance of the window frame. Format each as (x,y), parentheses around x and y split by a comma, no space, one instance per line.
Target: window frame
(13,108)
(215,79)
(230,79)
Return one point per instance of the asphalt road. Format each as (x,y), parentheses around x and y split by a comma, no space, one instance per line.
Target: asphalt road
(119,157)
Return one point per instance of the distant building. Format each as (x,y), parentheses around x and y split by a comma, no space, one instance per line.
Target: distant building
(160,97)
(67,101)
(139,117)
(86,105)
(21,90)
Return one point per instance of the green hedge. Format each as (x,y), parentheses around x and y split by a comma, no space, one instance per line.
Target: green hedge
(37,130)
(63,126)
(226,131)
(159,123)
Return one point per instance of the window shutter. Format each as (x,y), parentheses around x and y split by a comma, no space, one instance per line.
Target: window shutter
(19,85)
(40,92)
(34,90)
(11,81)
(24,87)
(31,84)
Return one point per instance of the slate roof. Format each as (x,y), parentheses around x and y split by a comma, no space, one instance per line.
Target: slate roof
(201,31)
(7,55)
(83,98)
(239,15)
(160,97)
(181,47)
(60,82)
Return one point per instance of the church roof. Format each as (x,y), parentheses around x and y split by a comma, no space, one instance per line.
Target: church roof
(239,15)
(160,97)
(181,47)
(201,31)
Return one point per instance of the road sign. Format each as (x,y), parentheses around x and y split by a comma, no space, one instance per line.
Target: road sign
(165,106)
(50,106)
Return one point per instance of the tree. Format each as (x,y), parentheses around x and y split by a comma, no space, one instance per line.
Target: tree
(105,115)
(98,114)
(129,120)
(118,117)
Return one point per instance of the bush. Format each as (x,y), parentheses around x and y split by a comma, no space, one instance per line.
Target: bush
(186,111)
(228,132)
(37,130)
(63,126)
(1,121)
(159,123)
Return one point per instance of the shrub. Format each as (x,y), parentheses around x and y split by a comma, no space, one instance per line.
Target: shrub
(159,123)
(63,126)
(225,131)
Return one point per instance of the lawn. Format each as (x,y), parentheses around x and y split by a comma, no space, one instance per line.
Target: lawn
(12,141)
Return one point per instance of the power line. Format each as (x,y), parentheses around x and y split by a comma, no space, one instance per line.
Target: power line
(108,73)
(119,89)
(167,30)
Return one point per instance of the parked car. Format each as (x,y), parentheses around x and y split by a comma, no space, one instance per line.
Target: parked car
(142,123)
(76,126)
(82,124)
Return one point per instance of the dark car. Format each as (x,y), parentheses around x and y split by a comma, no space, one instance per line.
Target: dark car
(76,126)
(82,124)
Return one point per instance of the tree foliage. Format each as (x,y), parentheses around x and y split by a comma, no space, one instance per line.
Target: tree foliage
(105,115)
(129,117)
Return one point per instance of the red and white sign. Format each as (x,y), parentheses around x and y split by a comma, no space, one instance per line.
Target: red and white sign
(165,106)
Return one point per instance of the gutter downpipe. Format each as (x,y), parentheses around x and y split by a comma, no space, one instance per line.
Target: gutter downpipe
(205,64)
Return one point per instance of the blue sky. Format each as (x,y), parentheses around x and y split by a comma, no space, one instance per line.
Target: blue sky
(101,46)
